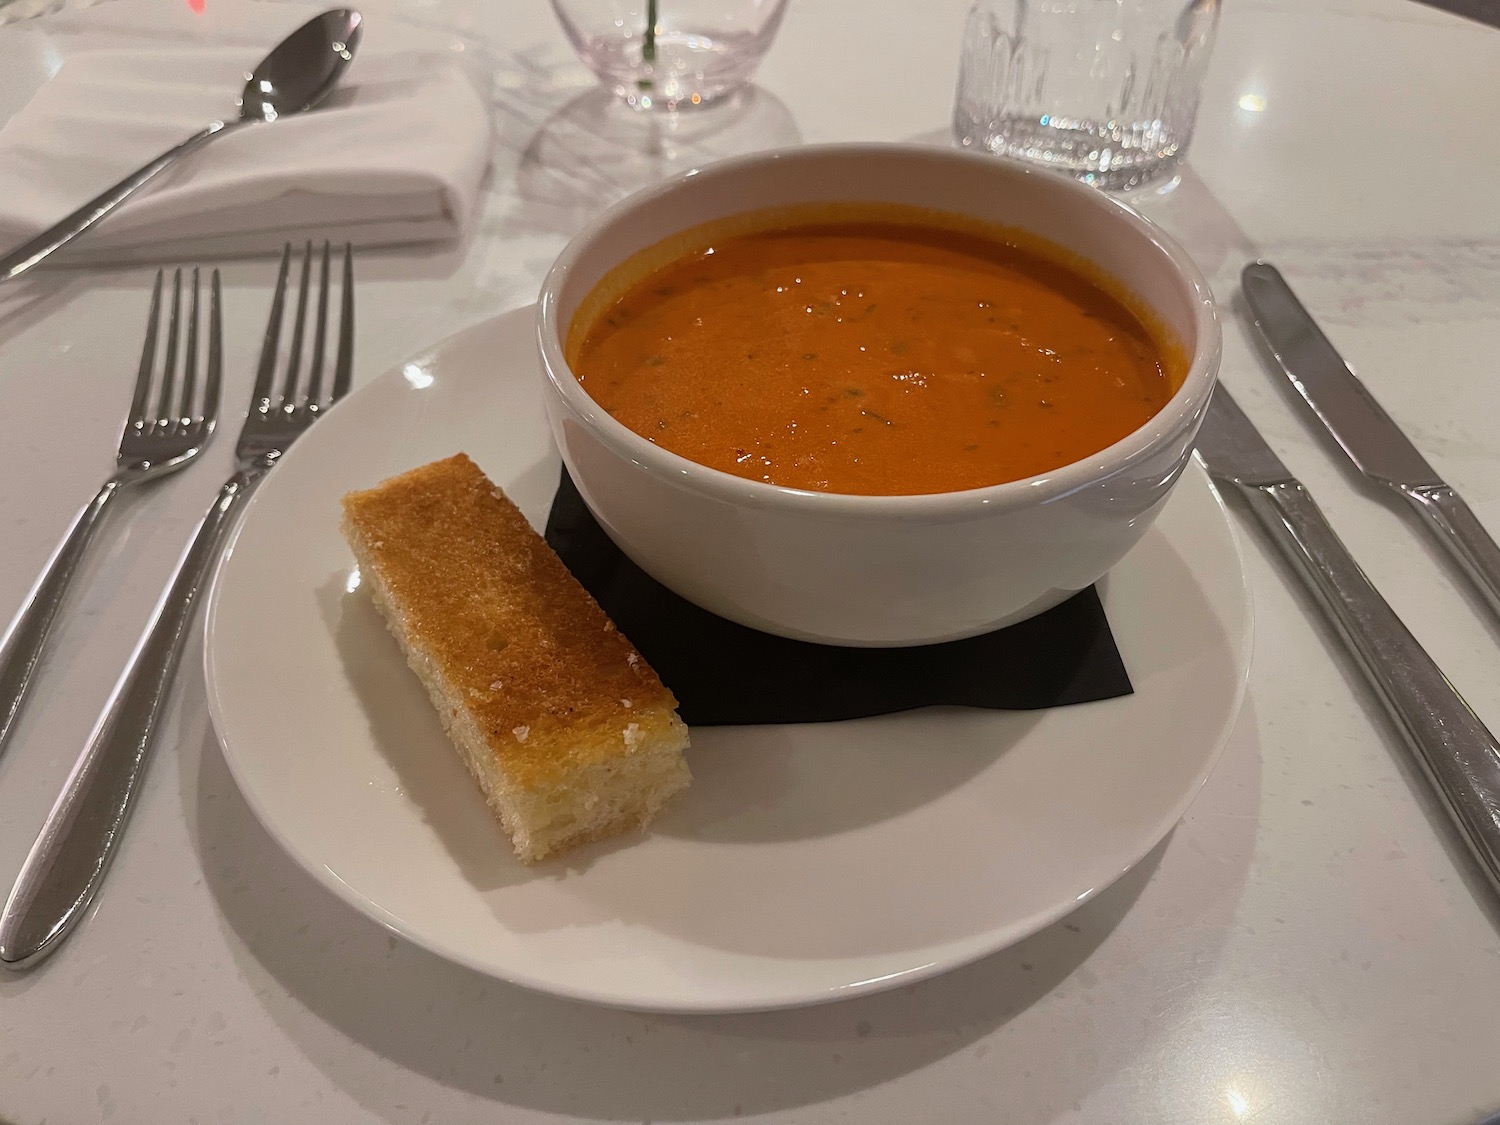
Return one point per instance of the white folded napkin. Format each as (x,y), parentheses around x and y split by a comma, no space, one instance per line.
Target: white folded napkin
(395,156)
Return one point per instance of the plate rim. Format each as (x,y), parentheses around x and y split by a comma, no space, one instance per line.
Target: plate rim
(959,952)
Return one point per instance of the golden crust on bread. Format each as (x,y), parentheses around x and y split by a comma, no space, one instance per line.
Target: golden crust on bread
(549,703)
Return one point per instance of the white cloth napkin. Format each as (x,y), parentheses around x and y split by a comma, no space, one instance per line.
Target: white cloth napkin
(396,155)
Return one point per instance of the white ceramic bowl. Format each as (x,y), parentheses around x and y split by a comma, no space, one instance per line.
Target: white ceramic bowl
(880,570)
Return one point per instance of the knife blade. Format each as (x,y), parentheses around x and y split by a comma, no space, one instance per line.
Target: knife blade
(1455,750)
(1363,430)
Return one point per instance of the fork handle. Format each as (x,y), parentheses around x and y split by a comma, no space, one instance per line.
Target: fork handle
(21,648)
(67,863)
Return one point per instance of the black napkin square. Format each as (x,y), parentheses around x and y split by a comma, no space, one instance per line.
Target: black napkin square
(723,673)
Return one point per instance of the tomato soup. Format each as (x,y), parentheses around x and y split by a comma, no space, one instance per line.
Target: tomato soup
(872,356)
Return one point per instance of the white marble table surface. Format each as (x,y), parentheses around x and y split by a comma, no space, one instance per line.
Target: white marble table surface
(1309,945)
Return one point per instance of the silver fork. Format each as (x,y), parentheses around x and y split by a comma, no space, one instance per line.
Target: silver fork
(156,441)
(67,863)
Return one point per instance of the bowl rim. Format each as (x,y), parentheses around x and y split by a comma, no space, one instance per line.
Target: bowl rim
(1186,402)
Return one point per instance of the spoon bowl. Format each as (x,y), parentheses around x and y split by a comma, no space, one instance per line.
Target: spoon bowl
(304,68)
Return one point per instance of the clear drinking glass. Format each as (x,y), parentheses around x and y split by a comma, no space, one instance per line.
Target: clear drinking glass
(668,54)
(1106,90)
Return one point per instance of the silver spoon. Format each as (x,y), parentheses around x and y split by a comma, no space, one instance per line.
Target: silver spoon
(297,75)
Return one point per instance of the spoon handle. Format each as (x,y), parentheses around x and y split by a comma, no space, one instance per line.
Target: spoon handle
(23,257)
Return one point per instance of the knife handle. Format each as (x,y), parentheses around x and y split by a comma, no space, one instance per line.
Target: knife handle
(1456,751)
(1460,532)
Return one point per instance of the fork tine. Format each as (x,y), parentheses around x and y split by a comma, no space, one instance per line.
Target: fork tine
(294,357)
(320,332)
(169,365)
(260,398)
(148,358)
(184,416)
(343,368)
(215,374)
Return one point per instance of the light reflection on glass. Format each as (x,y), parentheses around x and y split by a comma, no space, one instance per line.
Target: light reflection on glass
(418,376)
(1252,103)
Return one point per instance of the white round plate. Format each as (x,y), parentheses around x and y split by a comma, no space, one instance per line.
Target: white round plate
(804,863)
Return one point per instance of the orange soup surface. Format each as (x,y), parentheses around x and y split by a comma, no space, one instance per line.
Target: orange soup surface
(877,358)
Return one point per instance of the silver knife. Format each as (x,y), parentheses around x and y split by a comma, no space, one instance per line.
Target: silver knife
(1456,751)
(1363,430)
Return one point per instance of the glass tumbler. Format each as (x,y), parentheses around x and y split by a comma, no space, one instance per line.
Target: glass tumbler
(1106,90)
(670,54)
